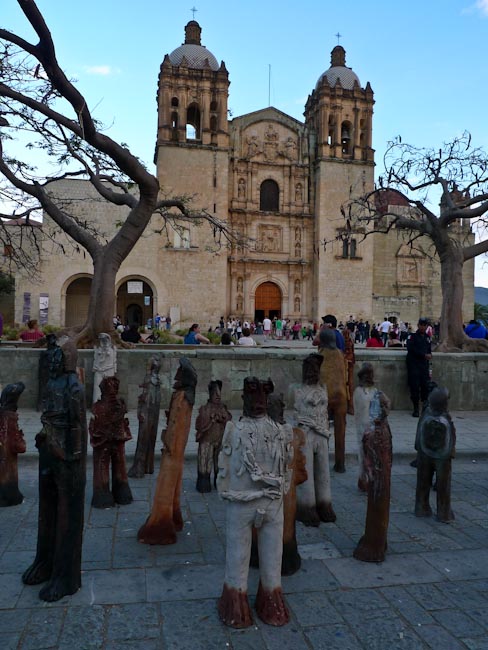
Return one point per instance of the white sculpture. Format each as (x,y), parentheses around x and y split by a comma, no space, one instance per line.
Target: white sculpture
(104,363)
(362,398)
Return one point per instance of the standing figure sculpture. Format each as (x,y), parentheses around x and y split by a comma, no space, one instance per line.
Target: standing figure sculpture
(350,361)
(43,369)
(210,425)
(314,499)
(333,376)
(104,363)
(109,431)
(363,395)
(435,444)
(253,478)
(165,519)
(11,443)
(377,459)
(62,476)
(148,415)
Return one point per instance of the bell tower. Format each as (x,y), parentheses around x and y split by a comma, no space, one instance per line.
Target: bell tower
(339,117)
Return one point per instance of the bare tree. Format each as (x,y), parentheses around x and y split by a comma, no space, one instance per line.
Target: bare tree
(454,178)
(42,107)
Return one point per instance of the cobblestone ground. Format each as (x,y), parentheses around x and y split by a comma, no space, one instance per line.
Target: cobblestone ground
(431,592)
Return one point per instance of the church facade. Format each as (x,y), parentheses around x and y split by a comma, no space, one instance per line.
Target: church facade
(279,183)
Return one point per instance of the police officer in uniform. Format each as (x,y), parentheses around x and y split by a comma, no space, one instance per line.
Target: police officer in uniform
(419,353)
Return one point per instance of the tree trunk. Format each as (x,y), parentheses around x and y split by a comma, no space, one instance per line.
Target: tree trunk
(452,336)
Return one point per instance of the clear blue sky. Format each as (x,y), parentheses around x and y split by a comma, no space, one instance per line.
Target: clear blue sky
(425,60)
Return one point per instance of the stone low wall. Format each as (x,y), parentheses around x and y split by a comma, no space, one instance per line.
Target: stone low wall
(465,375)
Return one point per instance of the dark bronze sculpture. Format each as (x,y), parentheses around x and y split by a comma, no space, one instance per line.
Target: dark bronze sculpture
(210,425)
(253,478)
(109,431)
(148,415)
(165,518)
(11,443)
(435,444)
(43,371)
(62,476)
(333,376)
(314,499)
(377,461)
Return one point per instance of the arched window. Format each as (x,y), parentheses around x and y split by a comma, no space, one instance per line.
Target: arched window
(269,196)
(193,122)
(330,130)
(213,105)
(346,137)
(175,102)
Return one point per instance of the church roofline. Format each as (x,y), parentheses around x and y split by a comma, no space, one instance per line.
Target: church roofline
(270,112)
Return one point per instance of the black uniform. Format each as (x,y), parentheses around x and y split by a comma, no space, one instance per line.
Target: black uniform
(418,345)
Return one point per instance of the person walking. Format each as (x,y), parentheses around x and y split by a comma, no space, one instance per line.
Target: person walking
(419,354)
(266,328)
(384,329)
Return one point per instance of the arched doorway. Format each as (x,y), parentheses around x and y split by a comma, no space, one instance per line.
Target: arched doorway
(267,301)
(77,301)
(135,302)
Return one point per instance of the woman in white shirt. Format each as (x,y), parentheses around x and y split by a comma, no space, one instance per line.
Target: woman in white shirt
(246,338)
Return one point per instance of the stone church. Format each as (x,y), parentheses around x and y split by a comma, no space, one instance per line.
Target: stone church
(278,182)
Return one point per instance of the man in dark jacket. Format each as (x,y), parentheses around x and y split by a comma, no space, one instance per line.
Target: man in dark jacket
(419,353)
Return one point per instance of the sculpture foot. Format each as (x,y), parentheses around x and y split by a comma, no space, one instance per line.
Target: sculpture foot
(270,606)
(177,519)
(203,483)
(233,607)
(160,534)
(291,560)
(446,518)
(11,498)
(57,588)
(102,500)
(326,512)
(339,467)
(423,511)
(122,494)
(362,484)
(365,553)
(37,573)
(307,515)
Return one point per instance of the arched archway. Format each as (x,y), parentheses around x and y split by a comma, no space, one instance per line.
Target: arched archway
(77,301)
(267,301)
(135,301)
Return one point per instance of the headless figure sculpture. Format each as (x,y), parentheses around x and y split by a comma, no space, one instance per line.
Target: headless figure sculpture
(148,415)
(104,363)
(363,395)
(210,426)
(109,431)
(314,500)
(165,519)
(333,376)
(62,476)
(11,443)
(253,478)
(377,451)
(435,444)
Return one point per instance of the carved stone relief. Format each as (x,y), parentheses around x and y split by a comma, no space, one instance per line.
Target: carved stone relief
(270,239)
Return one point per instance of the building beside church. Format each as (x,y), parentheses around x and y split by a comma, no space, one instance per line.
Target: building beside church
(277,181)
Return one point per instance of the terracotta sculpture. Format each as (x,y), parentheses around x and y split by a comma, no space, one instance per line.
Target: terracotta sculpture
(435,444)
(350,360)
(253,478)
(109,431)
(210,425)
(43,368)
(333,376)
(62,476)
(11,443)
(104,363)
(165,518)
(148,415)
(363,395)
(377,459)
(314,500)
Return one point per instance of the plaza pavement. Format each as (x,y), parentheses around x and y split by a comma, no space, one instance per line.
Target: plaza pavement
(431,591)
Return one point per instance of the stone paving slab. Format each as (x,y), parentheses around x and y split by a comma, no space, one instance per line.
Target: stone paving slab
(431,591)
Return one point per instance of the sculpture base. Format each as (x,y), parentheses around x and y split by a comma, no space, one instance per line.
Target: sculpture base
(203,483)
(366,553)
(10,495)
(307,515)
(291,560)
(158,534)
(326,512)
(233,607)
(270,606)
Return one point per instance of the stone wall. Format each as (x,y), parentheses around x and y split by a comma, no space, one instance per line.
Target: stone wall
(465,375)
